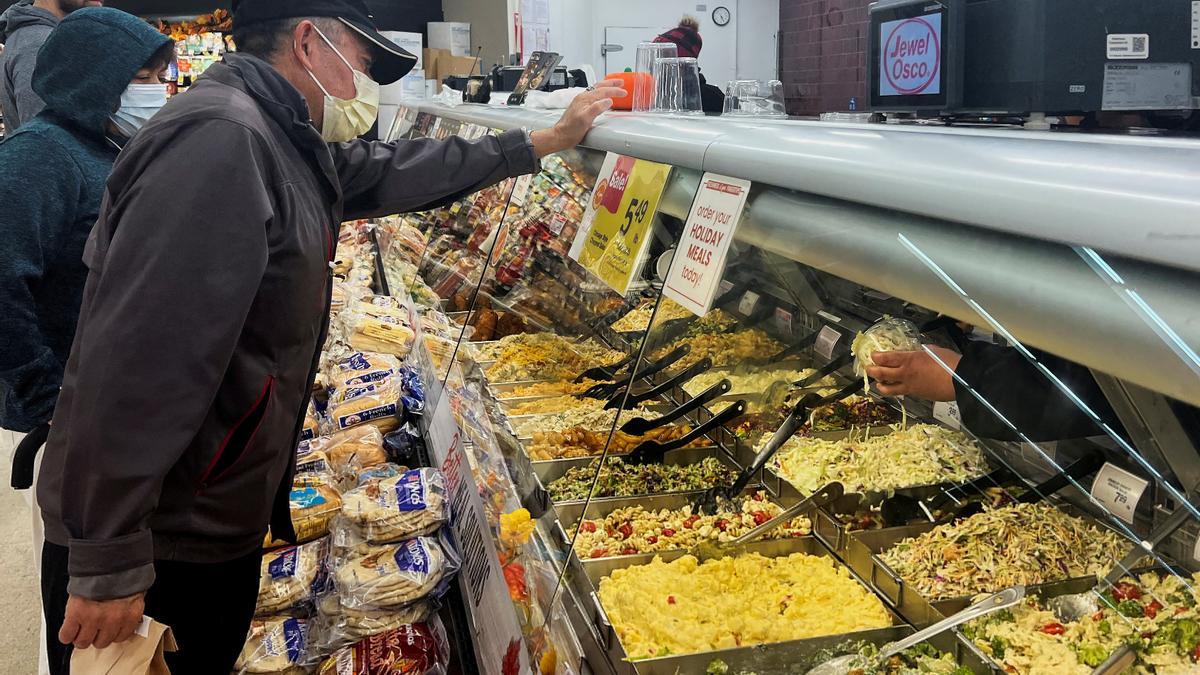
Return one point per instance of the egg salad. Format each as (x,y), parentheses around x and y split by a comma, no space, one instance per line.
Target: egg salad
(1156,616)
(685,606)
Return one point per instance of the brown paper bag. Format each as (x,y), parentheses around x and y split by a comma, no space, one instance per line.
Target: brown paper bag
(141,654)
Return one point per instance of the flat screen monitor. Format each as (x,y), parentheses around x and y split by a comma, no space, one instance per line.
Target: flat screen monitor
(914,55)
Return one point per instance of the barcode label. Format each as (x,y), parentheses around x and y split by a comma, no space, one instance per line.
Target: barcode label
(1129,46)
(1195,24)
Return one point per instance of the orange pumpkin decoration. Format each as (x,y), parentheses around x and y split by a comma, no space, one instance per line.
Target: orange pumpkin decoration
(627,79)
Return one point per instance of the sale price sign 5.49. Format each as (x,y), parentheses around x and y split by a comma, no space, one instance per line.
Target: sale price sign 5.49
(613,237)
(699,261)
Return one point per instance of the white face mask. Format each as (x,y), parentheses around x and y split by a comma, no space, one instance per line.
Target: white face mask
(347,119)
(138,105)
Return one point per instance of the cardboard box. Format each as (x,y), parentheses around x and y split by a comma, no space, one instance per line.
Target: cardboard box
(461,66)
(413,43)
(450,35)
(431,57)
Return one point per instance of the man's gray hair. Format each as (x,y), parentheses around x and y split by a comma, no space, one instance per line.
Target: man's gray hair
(267,38)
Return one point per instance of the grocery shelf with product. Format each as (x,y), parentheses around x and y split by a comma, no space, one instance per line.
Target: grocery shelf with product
(599,443)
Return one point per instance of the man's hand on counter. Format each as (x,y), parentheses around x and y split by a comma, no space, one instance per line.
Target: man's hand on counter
(915,373)
(577,119)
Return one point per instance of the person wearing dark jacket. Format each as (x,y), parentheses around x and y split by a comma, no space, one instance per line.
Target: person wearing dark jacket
(205,309)
(686,37)
(1006,379)
(52,173)
(24,27)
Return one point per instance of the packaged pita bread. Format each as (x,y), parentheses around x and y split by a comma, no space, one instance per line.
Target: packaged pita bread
(395,575)
(417,649)
(274,645)
(291,576)
(394,508)
(337,626)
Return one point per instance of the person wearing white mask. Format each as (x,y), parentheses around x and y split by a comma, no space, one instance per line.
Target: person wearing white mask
(52,174)
(172,448)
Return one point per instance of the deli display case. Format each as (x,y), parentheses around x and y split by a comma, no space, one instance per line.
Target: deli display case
(616,391)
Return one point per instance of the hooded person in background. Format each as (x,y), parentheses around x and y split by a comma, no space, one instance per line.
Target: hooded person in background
(686,37)
(52,174)
(23,29)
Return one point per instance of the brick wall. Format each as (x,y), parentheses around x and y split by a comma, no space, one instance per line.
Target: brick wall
(823,54)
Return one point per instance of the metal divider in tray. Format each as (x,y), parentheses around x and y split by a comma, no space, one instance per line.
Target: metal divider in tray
(597,569)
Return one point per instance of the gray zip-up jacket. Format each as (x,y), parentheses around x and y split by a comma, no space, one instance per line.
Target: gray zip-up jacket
(203,316)
(23,30)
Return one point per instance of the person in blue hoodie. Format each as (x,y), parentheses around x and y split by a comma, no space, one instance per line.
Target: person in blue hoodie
(100,75)
(24,27)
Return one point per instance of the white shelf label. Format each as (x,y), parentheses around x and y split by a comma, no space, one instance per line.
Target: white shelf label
(748,303)
(783,321)
(1118,491)
(827,339)
(1196,548)
(947,413)
(521,189)
(724,287)
(1128,46)
(1195,24)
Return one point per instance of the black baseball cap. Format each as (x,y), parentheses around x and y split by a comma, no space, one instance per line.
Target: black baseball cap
(391,61)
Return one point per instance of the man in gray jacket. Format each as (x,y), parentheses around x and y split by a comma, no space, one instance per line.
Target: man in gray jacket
(23,29)
(172,445)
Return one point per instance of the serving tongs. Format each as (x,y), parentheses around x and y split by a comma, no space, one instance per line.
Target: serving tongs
(639,426)
(707,502)
(1075,606)
(676,380)
(826,370)
(713,550)
(607,389)
(651,451)
(842,665)
(901,509)
(606,372)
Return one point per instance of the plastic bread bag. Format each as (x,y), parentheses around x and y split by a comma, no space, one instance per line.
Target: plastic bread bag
(377,404)
(336,626)
(310,423)
(274,645)
(292,576)
(417,649)
(314,503)
(349,452)
(405,445)
(361,368)
(889,334)
(392,509)
(396,575)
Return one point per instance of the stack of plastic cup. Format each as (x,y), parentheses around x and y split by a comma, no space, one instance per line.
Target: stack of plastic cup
(754,98)
(677,86)
(648,53)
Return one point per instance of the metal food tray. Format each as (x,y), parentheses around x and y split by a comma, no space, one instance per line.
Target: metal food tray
(862,555)
(548,471)
(797,657)
(596,570)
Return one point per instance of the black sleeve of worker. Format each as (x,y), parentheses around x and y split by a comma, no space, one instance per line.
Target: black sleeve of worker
(174,272)
(380,179)
(1025,396)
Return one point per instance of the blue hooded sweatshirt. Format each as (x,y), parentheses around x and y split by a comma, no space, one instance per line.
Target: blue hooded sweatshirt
(52,175)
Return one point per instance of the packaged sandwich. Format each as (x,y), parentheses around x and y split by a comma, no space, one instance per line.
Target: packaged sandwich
(291,576)
(394,508)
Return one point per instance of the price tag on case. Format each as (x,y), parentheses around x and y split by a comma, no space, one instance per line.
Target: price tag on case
(827,339)
(783,321)
(724,287)
(1118,491)
(947,413)
(749,303)
(613,237)
(521,189)
(1196,550)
